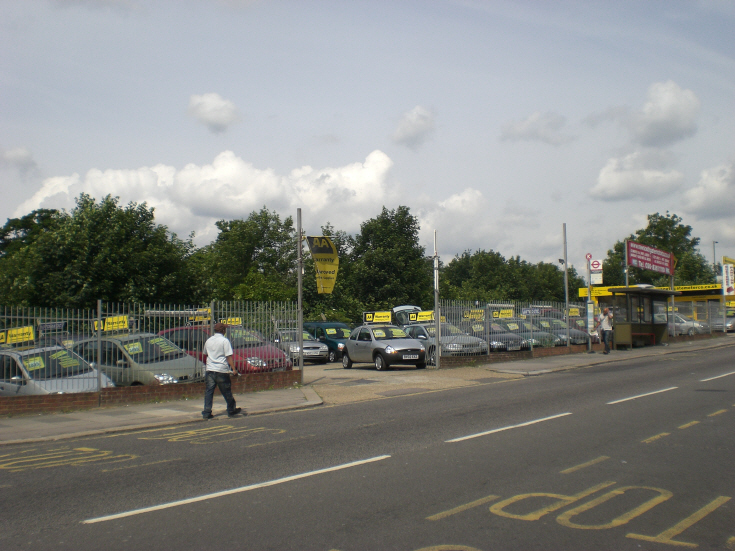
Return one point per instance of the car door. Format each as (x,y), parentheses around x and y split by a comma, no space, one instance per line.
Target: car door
(363,346)
(12,379)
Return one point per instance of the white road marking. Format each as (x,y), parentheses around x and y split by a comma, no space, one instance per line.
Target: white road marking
(233,491)
(642,395)
(718,377)
(507,428)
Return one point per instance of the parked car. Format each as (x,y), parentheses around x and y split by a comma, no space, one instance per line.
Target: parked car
(580,324)
(140,359)
(688,326)
(332,333)
(46,370)
(250,351)
(729,324)
(530,332)
(497,337)
(288,341)
(384,346)
(453,341)
(558,327)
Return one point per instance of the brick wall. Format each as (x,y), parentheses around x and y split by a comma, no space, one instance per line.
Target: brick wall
(122,395)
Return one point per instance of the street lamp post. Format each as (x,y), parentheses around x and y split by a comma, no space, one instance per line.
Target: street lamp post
(714,258)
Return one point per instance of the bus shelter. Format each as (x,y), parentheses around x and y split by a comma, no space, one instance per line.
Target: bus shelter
(640,315)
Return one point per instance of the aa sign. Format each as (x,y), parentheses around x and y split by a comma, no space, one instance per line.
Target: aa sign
(326,262)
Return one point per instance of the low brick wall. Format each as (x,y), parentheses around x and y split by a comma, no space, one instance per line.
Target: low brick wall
(123,395)
(498,357)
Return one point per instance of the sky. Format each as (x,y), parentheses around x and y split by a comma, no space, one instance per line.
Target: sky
(495,122)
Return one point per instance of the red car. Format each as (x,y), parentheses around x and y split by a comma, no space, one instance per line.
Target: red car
(251,353)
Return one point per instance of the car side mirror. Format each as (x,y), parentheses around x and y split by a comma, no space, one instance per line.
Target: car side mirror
(18,380)
(422,337)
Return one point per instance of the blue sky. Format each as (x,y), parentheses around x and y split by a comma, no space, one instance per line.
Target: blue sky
(495,122)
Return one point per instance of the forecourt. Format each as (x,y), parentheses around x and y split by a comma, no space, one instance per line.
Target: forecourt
(632,454)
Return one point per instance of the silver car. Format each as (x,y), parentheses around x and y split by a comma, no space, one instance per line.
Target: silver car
(383,346)
(46,370)
(453,341)
(688,326)
(288,341)
(141,359)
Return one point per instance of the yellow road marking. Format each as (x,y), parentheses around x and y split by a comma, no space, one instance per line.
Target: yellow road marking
(220,433)
(717,413)
(583,465)
(461,508)
(667,535)
(654,438)
(136,466)
(61,457)
(689,425)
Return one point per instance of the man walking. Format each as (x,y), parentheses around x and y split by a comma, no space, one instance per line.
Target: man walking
(220,365)
(605,329)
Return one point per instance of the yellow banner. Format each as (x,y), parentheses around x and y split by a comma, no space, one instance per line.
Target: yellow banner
(202,314)
(506,313)
(231,321)
(113,323)
(474,314)
(326,262)
(377,317)
(574,312)
(19,334)
(605,291)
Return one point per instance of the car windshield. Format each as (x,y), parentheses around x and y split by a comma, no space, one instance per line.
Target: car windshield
(555,323)
(338,332)
(151,349)
(293,336)
(53,364)
(388,333)
(448,330)
(243,338)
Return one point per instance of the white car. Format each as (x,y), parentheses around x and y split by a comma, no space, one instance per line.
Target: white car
(46,370)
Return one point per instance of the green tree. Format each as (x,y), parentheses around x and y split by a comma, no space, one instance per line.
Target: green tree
(668,233)
(98,251)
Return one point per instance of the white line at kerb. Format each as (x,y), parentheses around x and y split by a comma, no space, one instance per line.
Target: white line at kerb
(642,395)
(718,377)
(507,428)
(233,491)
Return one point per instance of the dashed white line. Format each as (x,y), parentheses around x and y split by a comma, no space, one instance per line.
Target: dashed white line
(718,377)
(642,395)
(460,439)
(233,491)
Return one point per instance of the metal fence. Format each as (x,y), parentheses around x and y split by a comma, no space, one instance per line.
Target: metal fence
(511,325)
(46,350)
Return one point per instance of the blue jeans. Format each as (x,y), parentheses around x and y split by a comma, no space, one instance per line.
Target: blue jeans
(222,380)
(607,339)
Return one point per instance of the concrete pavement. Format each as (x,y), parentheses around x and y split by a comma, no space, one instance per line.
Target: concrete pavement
(328,384)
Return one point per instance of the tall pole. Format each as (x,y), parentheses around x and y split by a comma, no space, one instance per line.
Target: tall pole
(714,258)
(437,309)
(300,314)
(566,285)
(587,306)
(625,265)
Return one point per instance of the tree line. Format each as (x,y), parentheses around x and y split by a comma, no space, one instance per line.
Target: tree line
(104,250)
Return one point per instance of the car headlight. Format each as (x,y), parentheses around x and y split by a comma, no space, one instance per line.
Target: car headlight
(294,348)
(323,348)
(166,379)
(496,344)
(390,350)
(341,345)
(257,362)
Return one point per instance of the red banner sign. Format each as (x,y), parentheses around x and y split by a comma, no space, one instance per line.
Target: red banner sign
(646,257)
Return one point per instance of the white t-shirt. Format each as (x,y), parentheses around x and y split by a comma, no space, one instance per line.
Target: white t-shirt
(606,323)
(217,348)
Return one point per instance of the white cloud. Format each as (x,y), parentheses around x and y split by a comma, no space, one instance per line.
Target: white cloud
(415,127)
(714,195)
(669,115)
(19,158)
(639,175)
(542,127)
(212,110)
(194,197)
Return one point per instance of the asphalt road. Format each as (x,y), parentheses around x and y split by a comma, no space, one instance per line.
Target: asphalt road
(630,455)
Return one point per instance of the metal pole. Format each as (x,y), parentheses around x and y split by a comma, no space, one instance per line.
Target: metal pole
(437,310)
(714,258)
(300,314)
(566,285)
(625,266)
(587,306)
(673,308)
(99,349)
(724,299)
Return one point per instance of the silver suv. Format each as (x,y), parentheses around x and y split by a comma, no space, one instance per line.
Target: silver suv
(382,345)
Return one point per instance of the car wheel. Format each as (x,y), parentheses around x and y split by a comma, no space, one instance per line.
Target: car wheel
(431,356)
(380,363)
(346,361)
(691,332)
(332,356)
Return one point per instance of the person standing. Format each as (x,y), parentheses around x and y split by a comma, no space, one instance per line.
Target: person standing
(220,365)
(606,329)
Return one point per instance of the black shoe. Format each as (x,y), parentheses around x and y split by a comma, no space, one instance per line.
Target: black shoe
(210,416)
(233,413)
